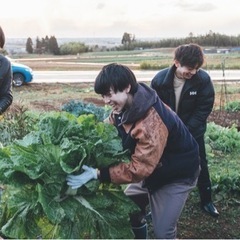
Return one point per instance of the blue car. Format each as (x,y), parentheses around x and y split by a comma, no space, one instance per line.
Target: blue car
(22,74)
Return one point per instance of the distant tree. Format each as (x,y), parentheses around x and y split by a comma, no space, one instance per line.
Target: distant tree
(191,34)
(47,45)
(38,48)
(29,45)
(73,48)
(127,40)
(53,46)
(43,45)
(46,40)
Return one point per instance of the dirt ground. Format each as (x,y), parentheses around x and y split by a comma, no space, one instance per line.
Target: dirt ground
(51,97)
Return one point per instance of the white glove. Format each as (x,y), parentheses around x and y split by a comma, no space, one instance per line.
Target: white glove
(76,181)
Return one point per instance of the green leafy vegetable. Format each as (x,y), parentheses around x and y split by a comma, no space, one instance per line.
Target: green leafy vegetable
(36,202)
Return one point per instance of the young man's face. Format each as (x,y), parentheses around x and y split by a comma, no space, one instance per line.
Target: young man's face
(118,101)
(185,72)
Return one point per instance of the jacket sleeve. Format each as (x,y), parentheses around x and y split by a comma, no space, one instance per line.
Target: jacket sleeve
(151,135)
(203,106)
(6,97)
(159,79)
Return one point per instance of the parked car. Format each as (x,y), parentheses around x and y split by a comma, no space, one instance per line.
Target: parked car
(22,74)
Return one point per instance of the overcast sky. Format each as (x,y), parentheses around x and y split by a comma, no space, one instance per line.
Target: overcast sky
(111,18)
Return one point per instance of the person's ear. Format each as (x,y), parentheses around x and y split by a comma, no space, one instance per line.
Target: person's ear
(177,63)
(128,89)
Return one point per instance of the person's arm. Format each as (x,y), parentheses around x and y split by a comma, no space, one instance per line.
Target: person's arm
(203,106)
(151,135)
(6,97)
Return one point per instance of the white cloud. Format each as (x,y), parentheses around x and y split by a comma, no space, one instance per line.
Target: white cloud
(110,18)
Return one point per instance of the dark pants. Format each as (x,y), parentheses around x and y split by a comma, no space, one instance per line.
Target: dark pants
(204,182)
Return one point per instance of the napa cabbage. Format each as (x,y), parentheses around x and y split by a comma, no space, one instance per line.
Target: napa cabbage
(37,203)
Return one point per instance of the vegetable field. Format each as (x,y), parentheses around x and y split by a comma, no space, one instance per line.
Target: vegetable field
(41,144)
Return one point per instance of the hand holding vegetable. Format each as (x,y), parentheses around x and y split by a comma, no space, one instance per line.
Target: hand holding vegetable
(76,181)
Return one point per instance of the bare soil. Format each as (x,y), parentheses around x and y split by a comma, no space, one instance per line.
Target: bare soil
(225,118)
(51,97)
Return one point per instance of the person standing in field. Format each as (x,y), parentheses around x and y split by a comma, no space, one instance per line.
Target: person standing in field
(164,160)
(6,97)
(189,91)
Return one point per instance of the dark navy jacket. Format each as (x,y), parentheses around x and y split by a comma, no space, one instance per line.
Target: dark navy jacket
(196,100)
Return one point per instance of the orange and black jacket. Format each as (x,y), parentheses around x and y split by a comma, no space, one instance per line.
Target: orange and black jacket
(162,149)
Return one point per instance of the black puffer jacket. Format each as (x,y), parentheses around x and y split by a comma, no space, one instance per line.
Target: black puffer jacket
(196,100)
(6,97)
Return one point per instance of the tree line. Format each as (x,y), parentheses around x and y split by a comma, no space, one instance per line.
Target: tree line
(49,45)
(210,39)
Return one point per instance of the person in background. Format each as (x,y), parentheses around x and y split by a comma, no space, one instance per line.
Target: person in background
(189,91)
(164,158)
(6,97)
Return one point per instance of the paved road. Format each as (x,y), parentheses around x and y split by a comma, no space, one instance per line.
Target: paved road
(89,76)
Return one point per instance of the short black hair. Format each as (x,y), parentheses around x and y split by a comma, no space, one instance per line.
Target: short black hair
(190,55)
(2,38)
(115,76)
